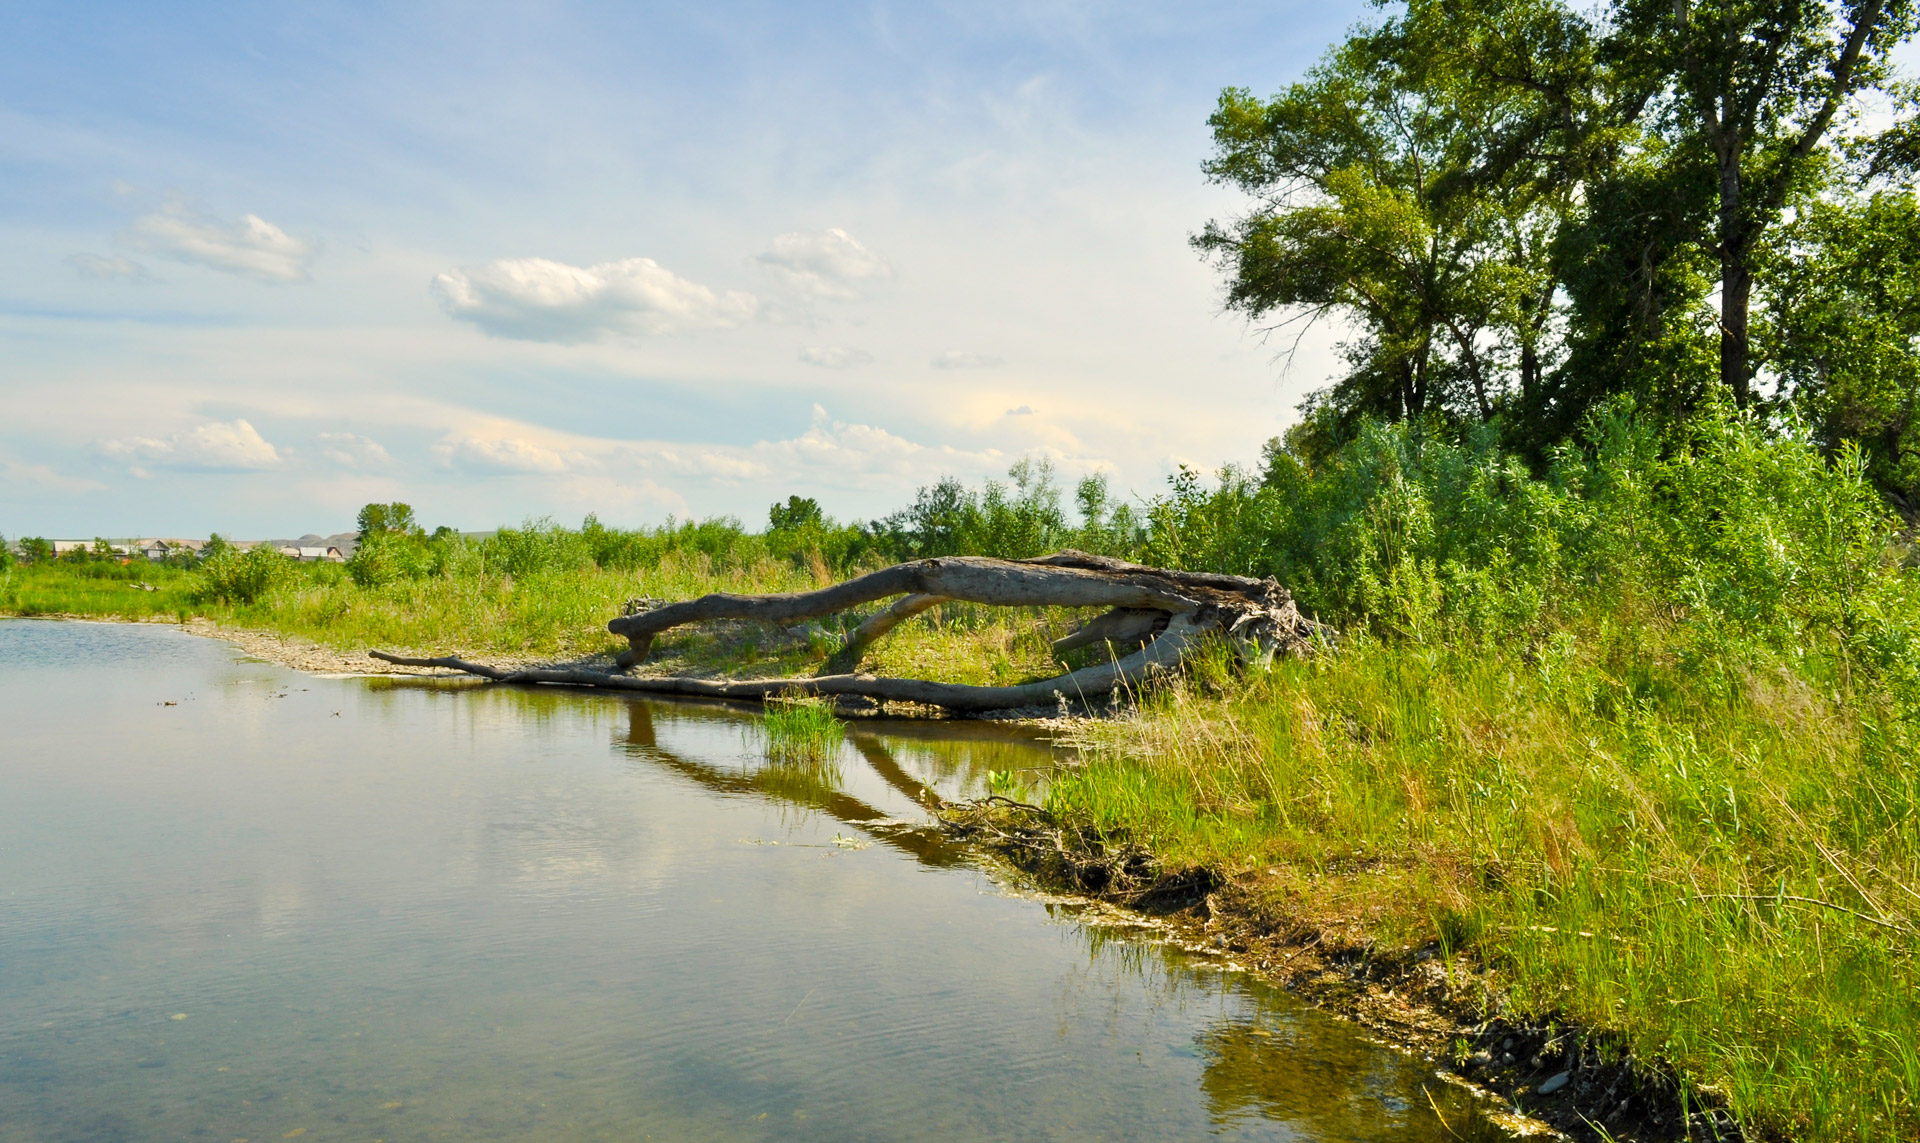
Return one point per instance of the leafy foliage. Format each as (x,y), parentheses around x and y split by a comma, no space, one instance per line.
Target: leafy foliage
(244,577)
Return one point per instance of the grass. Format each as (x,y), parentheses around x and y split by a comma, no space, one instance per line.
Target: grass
(801,729)
(558,615)
(1721,864)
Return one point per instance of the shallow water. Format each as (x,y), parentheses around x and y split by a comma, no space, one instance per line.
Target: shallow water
(238,903)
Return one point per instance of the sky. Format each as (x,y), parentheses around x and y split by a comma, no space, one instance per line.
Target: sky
(262,264)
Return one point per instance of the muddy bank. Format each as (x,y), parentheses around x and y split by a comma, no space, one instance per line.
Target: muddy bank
(1449,1010)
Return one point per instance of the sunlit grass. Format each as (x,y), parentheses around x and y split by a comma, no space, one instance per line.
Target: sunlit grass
(801,729)
(1726,877)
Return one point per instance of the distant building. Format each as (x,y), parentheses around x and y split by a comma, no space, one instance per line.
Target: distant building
(161,549)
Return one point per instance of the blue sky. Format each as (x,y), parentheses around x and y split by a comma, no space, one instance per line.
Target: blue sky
(264,265)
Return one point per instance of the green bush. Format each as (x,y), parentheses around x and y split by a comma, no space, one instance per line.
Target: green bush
(243,577)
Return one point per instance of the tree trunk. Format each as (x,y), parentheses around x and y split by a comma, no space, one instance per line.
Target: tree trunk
(1171,612)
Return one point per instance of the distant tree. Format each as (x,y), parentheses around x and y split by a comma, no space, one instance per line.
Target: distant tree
(216,545)
(797,514)
(1398,188)
(6,554)
(37,549)
(383,519)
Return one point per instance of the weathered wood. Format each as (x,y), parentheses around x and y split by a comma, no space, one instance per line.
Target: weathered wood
(1171,612)
(881,622)
(1123,627)
(1097,682)
(1064,579)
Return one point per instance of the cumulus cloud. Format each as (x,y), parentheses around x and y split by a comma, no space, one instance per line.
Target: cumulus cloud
(955,359)
(217,446)
(251,247)
(109,269)
(351,450)
(536,299)
(835,356)
(1022,411)
(508,455)
(823,264)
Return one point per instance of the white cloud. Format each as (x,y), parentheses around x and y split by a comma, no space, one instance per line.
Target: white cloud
(44,477)
(1022,411)
(507,454)
(109,269)
(823,264)
(217,446)
(351,450)
(835,356)
(955,359)
(537,299)
(252,247)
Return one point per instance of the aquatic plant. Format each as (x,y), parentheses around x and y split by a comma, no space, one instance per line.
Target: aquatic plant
(800,730)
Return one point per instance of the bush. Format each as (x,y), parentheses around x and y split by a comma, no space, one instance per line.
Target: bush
(243,577)
(385,558)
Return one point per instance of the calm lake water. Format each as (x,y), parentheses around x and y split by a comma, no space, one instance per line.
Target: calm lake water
(239,903)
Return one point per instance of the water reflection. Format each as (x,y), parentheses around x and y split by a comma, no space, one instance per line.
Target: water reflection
(293,908)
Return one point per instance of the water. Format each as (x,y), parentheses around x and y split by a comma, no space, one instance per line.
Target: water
(239,903)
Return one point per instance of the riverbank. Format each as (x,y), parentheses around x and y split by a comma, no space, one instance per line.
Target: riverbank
(1536,1074)
(1702,848)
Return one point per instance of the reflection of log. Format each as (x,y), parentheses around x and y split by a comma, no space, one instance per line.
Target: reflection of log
(1170,612)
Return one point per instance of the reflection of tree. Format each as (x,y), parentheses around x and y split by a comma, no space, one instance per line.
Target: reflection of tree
(814,789)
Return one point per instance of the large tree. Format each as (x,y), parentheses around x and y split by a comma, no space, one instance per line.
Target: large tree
(1746,93)
(1400,189)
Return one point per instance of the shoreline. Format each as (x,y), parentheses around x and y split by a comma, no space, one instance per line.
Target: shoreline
(1409,996)
(1414,998)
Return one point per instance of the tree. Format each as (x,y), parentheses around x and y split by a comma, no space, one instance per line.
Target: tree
(37,549)
(1744,95)
(1403,186)
(381,519)
(797,514)
(1843,330)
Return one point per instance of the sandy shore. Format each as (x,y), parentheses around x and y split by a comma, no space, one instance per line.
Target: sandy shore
(306,655)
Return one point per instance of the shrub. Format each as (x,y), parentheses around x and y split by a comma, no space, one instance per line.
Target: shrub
(243,577)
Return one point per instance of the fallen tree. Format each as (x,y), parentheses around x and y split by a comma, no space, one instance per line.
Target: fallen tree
(1156,616)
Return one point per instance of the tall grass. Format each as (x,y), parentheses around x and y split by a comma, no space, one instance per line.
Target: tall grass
(1639,732)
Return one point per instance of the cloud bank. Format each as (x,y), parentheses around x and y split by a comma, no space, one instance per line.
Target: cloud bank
(109,269)
(955,359)
(217,446)
(823,264)
(537,299)
(835,356)
(250,248)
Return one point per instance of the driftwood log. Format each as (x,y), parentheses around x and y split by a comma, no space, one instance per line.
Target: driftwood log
(1156,616)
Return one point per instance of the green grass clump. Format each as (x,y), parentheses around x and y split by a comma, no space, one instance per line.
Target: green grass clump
(801,729)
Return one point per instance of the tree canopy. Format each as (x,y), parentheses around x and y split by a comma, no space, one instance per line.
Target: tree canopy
(1517,209)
